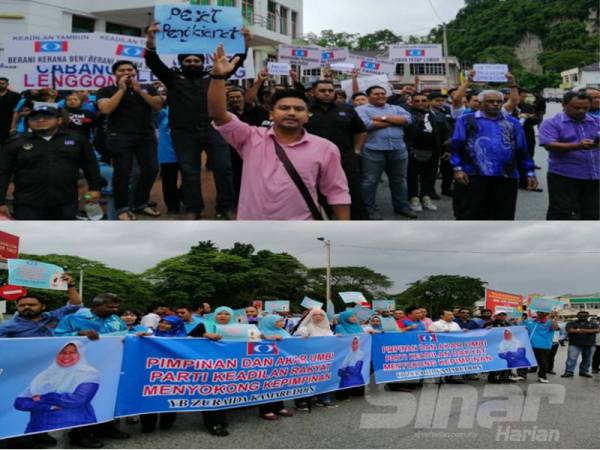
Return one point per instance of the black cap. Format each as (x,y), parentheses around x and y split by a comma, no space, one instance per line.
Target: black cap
(44,109)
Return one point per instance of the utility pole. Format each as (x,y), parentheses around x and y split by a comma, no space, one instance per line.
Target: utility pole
(446,60)
(81,285)
(328,267)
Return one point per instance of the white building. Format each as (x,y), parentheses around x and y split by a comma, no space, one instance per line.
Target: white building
(588,76)
(271,22)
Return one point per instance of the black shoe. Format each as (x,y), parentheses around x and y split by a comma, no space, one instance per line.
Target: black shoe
(407,213)
(551,372)
(218,430)
(44,439)
(586,375)
(435,196)
(567,375)
(86,442)
(595,371)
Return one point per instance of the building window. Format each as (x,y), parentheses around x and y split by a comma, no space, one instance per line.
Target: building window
(283,20)
(200,2)
(248,11)
(294,24)
(226,3)
(427,69)
(126,30)
(81,24)
(272,16)
(400,69)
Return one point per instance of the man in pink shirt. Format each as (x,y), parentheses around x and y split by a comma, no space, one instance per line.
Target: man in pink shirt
(267,190)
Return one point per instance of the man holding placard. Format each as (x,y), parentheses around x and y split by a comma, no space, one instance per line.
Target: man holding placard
(189,120)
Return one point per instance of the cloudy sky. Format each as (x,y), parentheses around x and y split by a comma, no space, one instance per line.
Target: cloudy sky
(404,17)
(517,257)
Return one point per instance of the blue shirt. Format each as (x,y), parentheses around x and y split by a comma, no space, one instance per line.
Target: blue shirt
(386,139)
(189,326)
(468,325)
(409,323)
(20,327)
(73,324)
(166,152)
(496,148)
(540,334)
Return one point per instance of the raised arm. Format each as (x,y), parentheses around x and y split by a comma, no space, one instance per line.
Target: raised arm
(461,92)
(153,61)
(515,98)
(252,92)
(217,98)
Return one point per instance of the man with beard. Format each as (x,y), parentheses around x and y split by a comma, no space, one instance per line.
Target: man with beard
(340,124)
(45,165)
(284,167)
(8,103)
(190,126)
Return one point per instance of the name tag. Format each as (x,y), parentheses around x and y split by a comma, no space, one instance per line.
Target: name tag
(69,142)
(343,114)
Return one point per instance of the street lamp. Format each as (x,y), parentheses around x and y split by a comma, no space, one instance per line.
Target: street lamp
(328,267)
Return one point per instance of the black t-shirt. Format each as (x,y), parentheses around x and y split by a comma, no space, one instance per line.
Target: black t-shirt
(133,115)
(337,124)
(257,116)
(8,103)
(582,339)
(81,121)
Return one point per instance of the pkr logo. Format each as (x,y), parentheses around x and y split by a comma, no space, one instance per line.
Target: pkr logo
(262,348)
(427,338)
(328,56)
(131,51)
(370,65)
(51,46)
(415,53)
(299,53)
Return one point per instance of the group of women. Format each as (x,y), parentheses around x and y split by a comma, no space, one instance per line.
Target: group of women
(315,323)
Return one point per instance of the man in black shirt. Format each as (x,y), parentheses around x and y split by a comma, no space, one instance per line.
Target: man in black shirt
(190,126)
(131,132)
(45,165)
(8,103)
(582,339)
(529,118)
(340,124)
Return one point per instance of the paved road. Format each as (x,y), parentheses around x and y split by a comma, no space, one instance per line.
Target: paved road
(530,206)
(568,409)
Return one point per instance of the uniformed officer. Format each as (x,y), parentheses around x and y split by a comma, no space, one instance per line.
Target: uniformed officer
(341,125)
(45,165)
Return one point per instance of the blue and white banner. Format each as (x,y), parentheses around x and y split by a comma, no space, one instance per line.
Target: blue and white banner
(57,383)
(166,375)
(414,355)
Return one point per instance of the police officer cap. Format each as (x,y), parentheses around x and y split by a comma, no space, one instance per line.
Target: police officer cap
(44,109)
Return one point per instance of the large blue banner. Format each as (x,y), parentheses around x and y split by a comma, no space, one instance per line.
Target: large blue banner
(165,375)
(414,355)
(57,383)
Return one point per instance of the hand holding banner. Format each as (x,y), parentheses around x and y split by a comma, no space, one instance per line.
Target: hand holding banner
(309,303)
(35,274)
(353,297)
(274,306)
(384,305)
(282,69)
(548,305)
(199,29)
(490,73)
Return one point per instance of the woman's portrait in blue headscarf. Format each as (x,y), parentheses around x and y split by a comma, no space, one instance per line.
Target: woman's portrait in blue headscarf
(351,371)
(61,396)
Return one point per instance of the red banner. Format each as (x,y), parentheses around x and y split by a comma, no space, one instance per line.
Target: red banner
(494,299)
(9,246)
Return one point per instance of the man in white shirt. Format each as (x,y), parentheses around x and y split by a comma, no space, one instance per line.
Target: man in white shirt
(151,320)
(446,324)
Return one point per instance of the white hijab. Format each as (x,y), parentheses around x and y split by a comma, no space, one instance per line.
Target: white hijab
(308,328)
(353,357)
(64,379)
(511,345)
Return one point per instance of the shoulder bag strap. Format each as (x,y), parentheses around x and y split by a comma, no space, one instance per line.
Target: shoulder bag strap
(298,181)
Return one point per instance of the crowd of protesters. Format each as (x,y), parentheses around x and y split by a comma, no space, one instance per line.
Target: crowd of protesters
(289,152)
(105,316)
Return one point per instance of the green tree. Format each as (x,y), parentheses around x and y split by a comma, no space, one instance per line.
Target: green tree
(97,278)
(379,40)
(347,279)
(442,291)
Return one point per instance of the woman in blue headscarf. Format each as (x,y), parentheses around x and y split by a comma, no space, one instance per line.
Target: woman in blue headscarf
(272,329)
(61,396)
(348,324)
(215,421)
(168,326)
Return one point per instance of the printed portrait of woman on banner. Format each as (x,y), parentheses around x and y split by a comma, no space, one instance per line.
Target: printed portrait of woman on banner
(351,371)
(513,351)
(61,395)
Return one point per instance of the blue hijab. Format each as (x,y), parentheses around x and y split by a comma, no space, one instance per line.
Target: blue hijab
(346,327)
(211,325)
(177,327)
(268,328)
